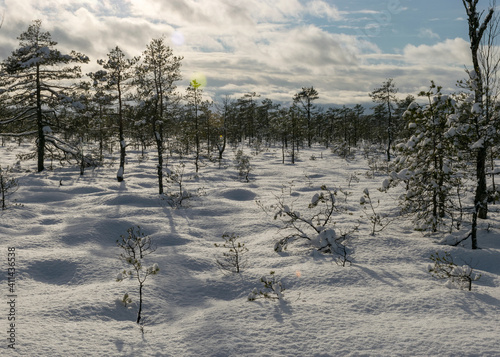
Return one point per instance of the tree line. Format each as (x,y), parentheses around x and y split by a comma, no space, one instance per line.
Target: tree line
(429,142)
(44,95)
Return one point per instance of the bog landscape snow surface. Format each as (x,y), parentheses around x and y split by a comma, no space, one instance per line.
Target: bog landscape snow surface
(64,229)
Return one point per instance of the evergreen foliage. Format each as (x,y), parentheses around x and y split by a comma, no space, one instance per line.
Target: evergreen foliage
(232,260)
(272,289)
(38,80)
(427,163)
(135,247)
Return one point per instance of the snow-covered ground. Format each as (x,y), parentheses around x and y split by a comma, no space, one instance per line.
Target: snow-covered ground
(65,227)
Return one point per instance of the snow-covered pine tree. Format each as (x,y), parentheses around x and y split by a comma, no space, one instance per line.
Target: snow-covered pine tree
(426,163)
(38,83)
(117,75)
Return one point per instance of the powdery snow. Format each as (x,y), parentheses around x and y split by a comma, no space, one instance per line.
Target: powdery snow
(384,304)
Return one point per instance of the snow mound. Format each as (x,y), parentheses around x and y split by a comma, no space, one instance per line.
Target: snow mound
(239,194)
(57,272)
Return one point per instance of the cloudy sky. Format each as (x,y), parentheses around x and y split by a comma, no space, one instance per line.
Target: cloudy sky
(344,48)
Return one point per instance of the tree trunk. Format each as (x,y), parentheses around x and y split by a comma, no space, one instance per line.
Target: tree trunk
(39,121)
(476,31)
(140,303)
(121,170)
(159,147)
(389,129)
(482,191)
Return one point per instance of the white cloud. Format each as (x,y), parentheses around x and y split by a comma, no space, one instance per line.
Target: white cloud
(427,33)
(321,9)
(266,46)
(449,52)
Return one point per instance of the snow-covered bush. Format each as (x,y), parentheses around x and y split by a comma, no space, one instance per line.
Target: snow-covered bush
(126,300)
(231,261)
(343,149)
(272,288)
(456,275)
(314,226)
(135,247)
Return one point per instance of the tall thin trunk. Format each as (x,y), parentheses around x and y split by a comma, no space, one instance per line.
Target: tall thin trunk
(389,126)
(140,303)
(39,121)
(121,135)
(197,134)
(159,148)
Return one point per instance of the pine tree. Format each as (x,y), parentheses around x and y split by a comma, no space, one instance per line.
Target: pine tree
(248,114)
(155,79)
(306,97)
(426,163)
(194,97)
(386,94)
(117,75)
(38,82)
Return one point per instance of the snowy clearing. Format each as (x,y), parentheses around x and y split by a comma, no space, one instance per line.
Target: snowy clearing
(64,230)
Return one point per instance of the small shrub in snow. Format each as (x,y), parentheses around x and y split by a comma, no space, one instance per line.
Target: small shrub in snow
(135,247)
(378,166)
(232,260)
(126,300)
(343,150)
(272,289)
(8,185)
(313,226)
(456,276)
(175,176)
(242,162)
(378,221)
(352,178)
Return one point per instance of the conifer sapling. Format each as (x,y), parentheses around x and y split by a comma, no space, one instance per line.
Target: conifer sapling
(135,247)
